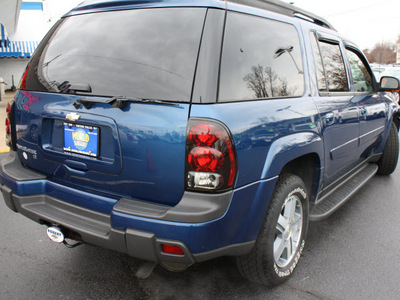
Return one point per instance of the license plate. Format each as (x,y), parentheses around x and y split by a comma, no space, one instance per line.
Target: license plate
(81,139)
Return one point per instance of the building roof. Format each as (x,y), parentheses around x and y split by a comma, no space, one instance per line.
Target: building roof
(9,14)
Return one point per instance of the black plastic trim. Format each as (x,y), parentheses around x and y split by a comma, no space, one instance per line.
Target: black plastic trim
(82,224)
(342,193)
(7,196)
(329,38)
(12,167)
(193,208)
(13,134)
(231,250)
(346,177)
(207,72)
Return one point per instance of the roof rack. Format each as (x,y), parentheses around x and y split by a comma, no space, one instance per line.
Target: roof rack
(286,9)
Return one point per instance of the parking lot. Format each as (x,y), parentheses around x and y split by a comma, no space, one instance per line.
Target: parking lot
(352,255)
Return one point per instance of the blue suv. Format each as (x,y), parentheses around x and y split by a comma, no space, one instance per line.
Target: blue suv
(180,131)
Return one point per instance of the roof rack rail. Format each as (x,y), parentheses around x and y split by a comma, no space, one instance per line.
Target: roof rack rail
(286,9)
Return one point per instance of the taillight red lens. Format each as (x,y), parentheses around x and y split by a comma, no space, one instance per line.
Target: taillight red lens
(205,159)
(8,108)
(172,249)
(210,156)
(8,127)
(8,122)
(22,84)
(203,134)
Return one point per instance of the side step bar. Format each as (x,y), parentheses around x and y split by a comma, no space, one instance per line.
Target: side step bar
(332,201)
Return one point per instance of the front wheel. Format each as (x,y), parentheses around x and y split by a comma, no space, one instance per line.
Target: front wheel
(282,237)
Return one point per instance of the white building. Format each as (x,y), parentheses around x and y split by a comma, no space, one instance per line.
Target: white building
(23,24)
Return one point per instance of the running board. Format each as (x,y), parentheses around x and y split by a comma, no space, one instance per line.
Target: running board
(331,202)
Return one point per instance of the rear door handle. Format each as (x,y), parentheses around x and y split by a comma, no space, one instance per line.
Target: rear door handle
(76,165)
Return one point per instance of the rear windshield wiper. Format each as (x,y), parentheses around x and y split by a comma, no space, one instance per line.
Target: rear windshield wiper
(72,87)
(118,101)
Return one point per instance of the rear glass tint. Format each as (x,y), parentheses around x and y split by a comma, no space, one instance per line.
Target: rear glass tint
(147,53)
(261,58)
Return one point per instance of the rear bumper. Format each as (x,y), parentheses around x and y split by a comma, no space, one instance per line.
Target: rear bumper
(203,226)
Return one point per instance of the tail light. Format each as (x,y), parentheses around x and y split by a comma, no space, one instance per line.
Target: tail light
(22,84)
(172,249)
(9,121)
(210,156)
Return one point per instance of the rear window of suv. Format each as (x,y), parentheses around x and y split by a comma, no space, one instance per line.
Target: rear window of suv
(147,53)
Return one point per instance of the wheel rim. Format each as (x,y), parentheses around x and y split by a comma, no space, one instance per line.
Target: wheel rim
(288,231)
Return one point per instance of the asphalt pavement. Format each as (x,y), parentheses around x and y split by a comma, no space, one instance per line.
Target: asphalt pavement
(352,255)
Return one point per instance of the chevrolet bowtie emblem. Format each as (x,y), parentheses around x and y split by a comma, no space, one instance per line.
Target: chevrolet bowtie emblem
(72,116)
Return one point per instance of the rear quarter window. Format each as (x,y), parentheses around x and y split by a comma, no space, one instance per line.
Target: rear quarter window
(261,58)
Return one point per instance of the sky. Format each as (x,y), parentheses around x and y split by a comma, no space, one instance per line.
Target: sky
(364,22)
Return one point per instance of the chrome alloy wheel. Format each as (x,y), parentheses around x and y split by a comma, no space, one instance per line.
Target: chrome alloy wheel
(288,231)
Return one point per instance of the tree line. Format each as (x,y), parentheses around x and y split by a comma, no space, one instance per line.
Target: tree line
(383,52)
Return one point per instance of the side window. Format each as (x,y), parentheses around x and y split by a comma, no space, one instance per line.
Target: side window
(261,58)
(361,77)
(334,67)
(318,64)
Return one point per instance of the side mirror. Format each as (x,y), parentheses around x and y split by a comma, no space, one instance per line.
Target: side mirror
(389,84)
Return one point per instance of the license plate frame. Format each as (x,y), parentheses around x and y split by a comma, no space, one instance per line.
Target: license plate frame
(81,139)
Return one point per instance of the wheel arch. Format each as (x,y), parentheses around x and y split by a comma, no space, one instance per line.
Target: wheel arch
(299,154)
(308,168)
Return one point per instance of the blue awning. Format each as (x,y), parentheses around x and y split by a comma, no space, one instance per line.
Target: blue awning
(15,48)
(18,49)
(9,14)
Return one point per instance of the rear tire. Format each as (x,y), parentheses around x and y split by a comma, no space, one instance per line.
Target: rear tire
(388,162)
(282,237)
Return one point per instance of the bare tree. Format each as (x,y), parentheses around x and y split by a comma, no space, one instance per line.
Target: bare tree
(265,83)
(383,53)
(257,82)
